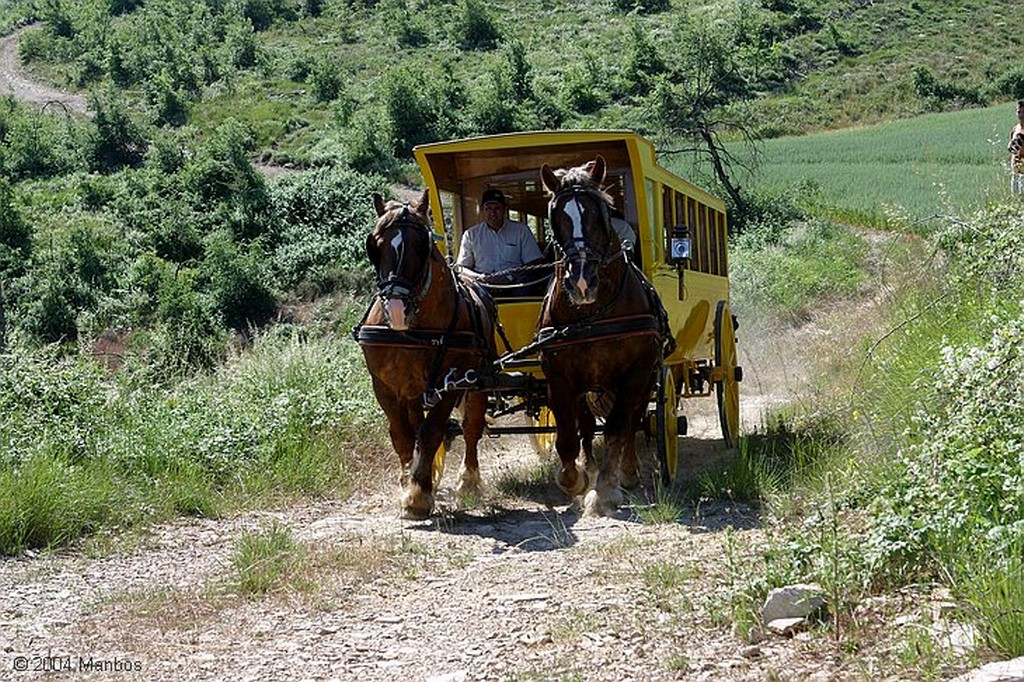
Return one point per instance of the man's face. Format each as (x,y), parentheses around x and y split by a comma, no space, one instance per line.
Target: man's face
(494,214)
(1020,112)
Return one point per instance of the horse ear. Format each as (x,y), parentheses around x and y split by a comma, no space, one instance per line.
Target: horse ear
(598,170)
(423,206)
(378,204)
(549,179)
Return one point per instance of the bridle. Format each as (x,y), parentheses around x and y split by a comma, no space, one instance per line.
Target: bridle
(409,291)
(581,249)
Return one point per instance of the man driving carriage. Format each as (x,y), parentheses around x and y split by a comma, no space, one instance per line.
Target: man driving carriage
(496,245)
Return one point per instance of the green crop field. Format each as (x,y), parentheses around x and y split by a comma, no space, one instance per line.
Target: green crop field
(908,170)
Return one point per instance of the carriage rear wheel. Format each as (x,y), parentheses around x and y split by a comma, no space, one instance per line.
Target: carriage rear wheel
(666,425)
(727,387)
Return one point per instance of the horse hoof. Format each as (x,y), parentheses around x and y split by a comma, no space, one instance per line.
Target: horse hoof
(578,487)
(598,504)
(470,485)
(417,505)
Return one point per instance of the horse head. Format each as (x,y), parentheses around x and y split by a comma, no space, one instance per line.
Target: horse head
(581,226)
(400,248)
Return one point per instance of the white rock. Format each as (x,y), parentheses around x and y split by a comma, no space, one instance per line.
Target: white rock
(1001,671)
(786,626)
(792,601)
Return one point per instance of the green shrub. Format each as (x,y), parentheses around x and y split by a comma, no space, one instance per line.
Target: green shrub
(956,490)
(221,176)
(325,80)
(239,282)
(928,86)
(474,27)
(1010,83)
(370,143)
(117,142)
(642,6)
(323,216)
(15,236)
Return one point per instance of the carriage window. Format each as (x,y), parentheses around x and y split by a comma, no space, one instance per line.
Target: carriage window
(668,217)
(723,240)
(716,267)
(705,234)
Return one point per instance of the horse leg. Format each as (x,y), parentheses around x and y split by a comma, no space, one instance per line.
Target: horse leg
(628,469)
(606,496)
(418,500)
(402,427)
(473,422)
(620,448)
(572,479)
(587,424)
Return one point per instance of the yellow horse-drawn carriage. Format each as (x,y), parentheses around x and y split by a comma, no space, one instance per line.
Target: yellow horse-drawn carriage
(680,245)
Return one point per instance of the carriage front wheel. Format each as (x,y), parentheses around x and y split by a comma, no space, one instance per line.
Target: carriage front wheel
(544,441)
(666,424)
(728,373)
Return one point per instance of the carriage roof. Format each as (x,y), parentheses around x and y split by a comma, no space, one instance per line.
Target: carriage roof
(463,166)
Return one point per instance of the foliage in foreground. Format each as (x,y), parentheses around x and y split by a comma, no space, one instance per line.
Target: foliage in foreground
(927,485)
(82,450)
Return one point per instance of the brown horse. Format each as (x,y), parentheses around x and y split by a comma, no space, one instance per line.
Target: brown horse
(423,323)
(608,337)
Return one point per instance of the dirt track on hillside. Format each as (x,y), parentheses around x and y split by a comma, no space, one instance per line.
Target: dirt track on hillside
(17,81)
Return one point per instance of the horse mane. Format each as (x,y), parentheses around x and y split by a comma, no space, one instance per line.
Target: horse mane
(582,176)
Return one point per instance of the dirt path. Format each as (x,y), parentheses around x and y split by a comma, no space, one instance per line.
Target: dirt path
(515,587)
(15,80)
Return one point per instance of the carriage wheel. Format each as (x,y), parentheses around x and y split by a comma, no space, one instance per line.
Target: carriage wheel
(727,388)
(544,442)
(666,425)
(437,466)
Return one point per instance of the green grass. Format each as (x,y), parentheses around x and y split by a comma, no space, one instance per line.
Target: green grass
(264,561)
(896,173)
(83,452)
(994,588)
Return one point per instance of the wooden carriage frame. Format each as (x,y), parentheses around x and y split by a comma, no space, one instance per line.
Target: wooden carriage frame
(665,211)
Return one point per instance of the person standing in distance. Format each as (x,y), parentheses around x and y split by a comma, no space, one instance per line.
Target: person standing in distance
(1016,149)
(497,243)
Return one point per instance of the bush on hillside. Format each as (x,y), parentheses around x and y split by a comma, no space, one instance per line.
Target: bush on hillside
(322,217)
(35,146)
(222,181)
(474,28)
(239,282)
(1010,83)
(944,92)
(15,236)
(957,490)
(116,141)
(642,6)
